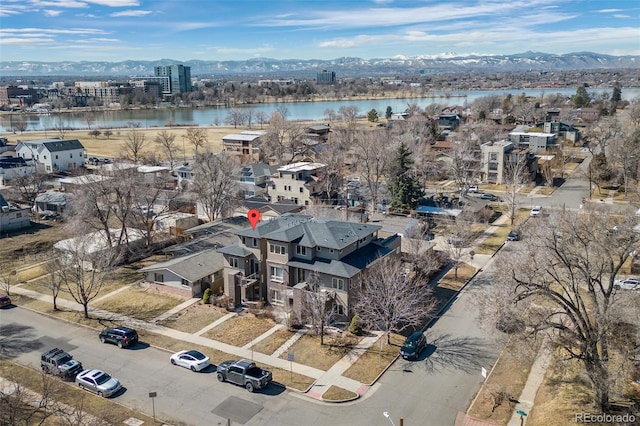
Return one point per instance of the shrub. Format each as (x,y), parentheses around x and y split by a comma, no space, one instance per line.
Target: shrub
(206,297)
(355,327)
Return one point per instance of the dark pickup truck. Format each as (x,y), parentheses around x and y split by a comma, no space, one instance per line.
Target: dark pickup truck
(59,363)
(244,373)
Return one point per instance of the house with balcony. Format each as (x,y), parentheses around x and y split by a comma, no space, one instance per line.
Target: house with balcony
(563,129)
(298,182)
(55,155)
(496,157)
(254,179)
(243,144)
(283,255)
(536,142)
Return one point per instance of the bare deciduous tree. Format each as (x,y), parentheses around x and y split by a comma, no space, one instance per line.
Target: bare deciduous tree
(134,143)
(167,142)
(562,286)
(8,276)
(459,237)
(214,184)
(317,306)
(261,118)
(513,177)
(197,138)
(389,301)
(30,185)
(374,152)
(53,279)
(87,259)
(235,117)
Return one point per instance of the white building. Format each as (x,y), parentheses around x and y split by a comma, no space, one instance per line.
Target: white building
(53,154)
(297,182)
(12,217)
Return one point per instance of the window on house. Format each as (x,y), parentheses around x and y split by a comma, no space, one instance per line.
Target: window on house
(277,249)
(158,277)
(233,262)
(301,250)
(56,156)
(340,310)
(295,200)
(255,242)
(70,155)
(277,274)
(301,189)
(185,283)
(276,296)
(337,283)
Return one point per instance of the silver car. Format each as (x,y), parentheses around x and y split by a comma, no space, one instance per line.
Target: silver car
(99,382)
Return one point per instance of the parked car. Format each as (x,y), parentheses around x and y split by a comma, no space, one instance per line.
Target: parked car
(473,188)
(627,284)
(244,373)
(535,211)
(59,363)
(99,382)
(193,360)
(491,197)
(514,235)
(121,336)
(4,300)
(413,345)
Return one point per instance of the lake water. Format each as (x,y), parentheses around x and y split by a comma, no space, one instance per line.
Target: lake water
(312,111)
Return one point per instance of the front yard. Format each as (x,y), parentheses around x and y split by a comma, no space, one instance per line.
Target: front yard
(308,351)
(139,301)
(240,330)
(375,360)
(194,318)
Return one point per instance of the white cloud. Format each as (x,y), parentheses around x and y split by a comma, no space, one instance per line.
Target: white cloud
(71,4)
(115,3)
(610,10)
(620,15)
(24,40)
(51,13)
(130,13)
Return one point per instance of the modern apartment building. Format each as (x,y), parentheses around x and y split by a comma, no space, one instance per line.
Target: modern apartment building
(325,77)
(287,253)
(298,182)
(179,77)
(537,142)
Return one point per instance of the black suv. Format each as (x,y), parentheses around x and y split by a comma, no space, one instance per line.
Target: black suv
(121,336)
(59,363)
(414,345)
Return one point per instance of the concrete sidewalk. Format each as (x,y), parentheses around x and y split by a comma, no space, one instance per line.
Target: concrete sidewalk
(243,352)
(528,395)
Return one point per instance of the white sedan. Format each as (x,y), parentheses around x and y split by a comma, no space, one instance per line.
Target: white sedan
(193,360)
(627,284)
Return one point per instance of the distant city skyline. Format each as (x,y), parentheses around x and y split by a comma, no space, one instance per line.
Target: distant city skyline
(117,30)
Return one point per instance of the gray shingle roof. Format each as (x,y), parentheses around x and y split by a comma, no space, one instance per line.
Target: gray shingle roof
(311,232)
(234,250)
(191,267)
(56,145)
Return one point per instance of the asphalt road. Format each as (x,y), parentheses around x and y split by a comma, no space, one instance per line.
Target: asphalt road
(429,391)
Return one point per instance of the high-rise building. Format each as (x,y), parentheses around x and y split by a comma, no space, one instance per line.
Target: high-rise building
(179,77)
(326,77)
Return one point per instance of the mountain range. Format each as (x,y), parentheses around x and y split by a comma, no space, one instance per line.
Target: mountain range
(346,66)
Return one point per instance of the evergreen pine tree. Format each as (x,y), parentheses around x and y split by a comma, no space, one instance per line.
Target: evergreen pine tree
(403,184)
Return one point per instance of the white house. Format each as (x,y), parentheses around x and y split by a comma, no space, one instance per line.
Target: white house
(53,154)
(12,217)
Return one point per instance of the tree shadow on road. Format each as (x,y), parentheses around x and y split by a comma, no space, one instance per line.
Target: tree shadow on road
(17,339)
(446,352)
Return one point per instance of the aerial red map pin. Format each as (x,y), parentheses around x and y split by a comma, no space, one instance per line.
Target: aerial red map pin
(254,218)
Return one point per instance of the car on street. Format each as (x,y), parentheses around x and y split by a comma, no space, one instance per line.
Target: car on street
(192,359)
(121,336)
(491,197)
(535,211)
(59,363)
(413,345)
(4,300)
(99,382)
(244,373)
(473,188)
(627,284)
(514,235)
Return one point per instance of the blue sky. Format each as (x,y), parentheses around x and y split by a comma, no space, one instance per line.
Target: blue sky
(116,30)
